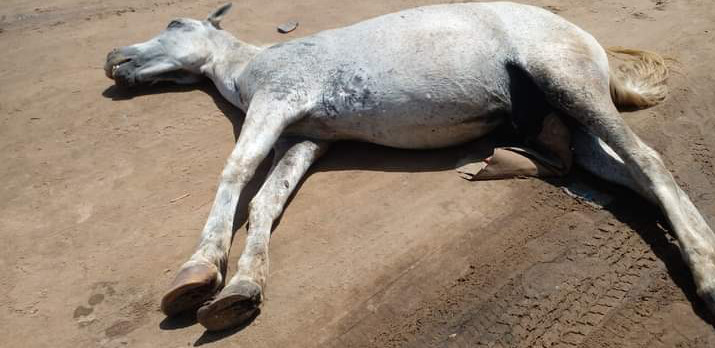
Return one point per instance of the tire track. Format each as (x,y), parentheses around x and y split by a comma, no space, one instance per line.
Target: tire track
(569,313)
(583,278)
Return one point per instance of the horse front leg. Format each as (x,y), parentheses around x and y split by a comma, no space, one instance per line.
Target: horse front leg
(203,275)
(240,299)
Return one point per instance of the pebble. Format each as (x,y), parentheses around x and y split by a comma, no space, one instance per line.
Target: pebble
(287,27)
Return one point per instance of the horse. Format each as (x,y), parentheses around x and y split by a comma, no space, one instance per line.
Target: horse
(427,77)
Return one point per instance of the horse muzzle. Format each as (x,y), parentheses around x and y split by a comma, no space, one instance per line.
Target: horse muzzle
(115,67)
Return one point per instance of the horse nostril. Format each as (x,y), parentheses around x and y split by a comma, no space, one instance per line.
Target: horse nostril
(116,56)
(112,53)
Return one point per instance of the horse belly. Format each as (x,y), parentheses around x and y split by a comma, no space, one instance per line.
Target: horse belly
(426,136)
(401,128)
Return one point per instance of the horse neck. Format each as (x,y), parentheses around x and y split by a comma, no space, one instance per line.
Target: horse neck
(228,58)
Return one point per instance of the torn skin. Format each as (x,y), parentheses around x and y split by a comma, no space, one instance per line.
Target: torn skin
(551,156)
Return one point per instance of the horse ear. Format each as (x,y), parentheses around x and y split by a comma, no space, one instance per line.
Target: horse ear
(215,17)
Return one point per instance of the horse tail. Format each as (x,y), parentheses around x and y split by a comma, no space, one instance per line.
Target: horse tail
(639,83)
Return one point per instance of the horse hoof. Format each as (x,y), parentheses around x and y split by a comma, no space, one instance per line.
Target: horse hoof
(193,286)
(235,305)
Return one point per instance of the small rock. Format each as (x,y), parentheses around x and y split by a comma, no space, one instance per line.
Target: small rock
(287,27)
(553,9)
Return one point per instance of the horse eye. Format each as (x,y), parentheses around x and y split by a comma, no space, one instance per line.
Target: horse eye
(175,24)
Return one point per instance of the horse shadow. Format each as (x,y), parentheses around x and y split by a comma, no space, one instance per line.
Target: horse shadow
(627,207)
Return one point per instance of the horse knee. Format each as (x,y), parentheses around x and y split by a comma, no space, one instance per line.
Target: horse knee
(649,160)
(239,171)
(648,155)
(232,174)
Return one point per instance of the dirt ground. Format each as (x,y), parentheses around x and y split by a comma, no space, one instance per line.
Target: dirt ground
(104,193)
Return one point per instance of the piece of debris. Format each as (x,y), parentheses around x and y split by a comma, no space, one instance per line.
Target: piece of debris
(287,27)
(179,198)
(553,9)
(469,167)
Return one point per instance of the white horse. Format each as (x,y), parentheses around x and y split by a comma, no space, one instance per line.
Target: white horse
(422,78)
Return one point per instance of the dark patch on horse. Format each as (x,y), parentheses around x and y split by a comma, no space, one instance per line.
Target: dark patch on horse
(179,24)
(347,90)
(529,106)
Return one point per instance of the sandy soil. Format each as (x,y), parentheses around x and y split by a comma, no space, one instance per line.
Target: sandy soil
(103,195)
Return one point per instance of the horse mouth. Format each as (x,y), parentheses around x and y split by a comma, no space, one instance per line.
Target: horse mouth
(111,68)
(116,66)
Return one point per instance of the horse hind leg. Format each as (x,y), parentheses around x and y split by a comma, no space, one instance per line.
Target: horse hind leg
(580,89)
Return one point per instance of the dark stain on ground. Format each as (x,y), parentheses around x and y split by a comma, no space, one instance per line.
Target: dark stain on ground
(96,299)
(119,328)
(82,311)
